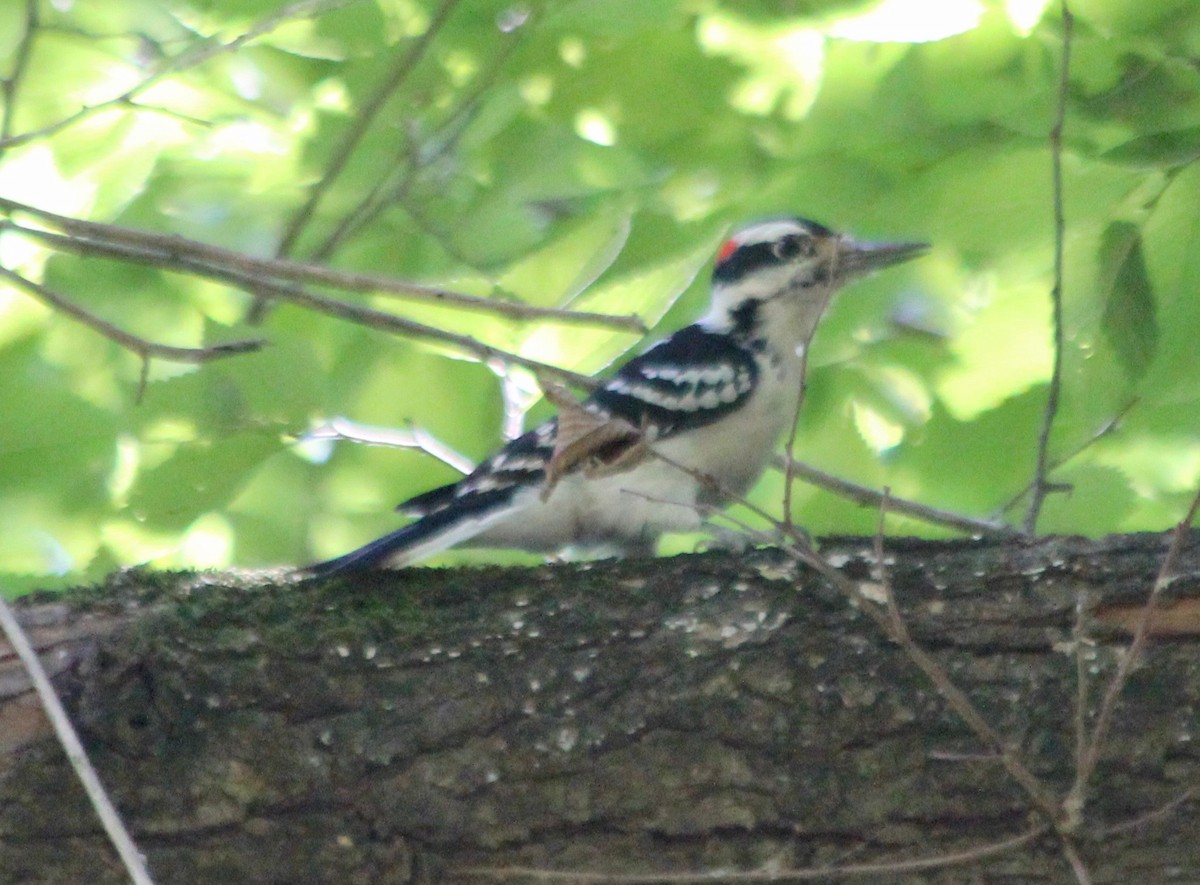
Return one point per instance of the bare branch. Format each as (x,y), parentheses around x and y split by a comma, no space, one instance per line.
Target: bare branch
(1075,860)
(412,438)
(361,123)
(1072,804)
(364,316)
(171,251)
(1108,427)
(412,158)
(844,871)
(870,497)
(105,810)
(1153,815)
(350,140)
(129,341)
(10,86)
(1141,634)
(190,58)
(789,451)
(1041,487)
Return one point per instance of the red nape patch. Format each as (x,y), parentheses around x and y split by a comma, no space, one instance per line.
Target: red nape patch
(727,249)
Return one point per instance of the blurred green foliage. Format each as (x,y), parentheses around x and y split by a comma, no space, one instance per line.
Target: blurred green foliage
(590,154)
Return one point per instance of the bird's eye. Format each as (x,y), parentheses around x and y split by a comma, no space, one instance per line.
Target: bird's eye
(793,246)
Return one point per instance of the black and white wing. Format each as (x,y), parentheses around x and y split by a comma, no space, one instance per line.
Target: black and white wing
(684,382)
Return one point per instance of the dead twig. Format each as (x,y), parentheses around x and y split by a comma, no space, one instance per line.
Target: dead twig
(1153,815)
(364,316)
(411,438)
(870,497)
(797,547)
(10,86)
(842,871)
(1107,428)
(178,253)
(1094,745)
(362,122)
(1041,486)
(128,340)
(353,136)
(412,159)
(105,810)
(1071,852)
(190,58)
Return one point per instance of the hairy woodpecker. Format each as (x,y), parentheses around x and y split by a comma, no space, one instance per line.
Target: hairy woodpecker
(714,397)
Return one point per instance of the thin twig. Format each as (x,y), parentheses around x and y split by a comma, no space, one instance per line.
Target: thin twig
(1153,815)
(411,160)
(888,869)
(370,205)
(789,449)
(71,745)
(1077,796)
(364,316)
(901,635)
(1106,429)
(167,247)
(1079,641)
(897,630)
(1071,852)
(1041,486)
(870,497)
(128,340)
(188,59)
(361,123)
(350,140)
(11,85)
(412,438)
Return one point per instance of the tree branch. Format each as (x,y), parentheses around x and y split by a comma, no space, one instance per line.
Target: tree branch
(128,340)
(361,123)
(1041,487)
(180,253)
(1090,756)
(110,819)
(294,294)
(867,496)
(190,58)
(11,85)
(826,873)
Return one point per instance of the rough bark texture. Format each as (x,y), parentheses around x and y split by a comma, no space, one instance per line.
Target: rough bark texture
(698,714)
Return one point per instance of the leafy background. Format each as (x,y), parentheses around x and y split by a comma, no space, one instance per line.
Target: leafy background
(589,154)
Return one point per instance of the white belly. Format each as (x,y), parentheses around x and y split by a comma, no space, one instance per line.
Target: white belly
(630,510)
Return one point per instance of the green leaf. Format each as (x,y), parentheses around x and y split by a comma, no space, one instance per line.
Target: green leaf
(1167,149)
(1130,319)
(201,476)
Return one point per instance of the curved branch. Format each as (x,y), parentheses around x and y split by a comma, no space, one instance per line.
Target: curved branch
(185,254)
(295,294)
(128,340)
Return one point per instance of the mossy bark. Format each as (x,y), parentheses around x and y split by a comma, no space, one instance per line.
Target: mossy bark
(702,713)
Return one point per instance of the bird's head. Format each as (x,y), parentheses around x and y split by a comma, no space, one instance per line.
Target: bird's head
(788,267)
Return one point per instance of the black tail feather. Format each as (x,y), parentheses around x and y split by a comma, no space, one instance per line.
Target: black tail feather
(384,552)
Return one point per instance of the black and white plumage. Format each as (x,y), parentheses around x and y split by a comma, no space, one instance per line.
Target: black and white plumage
(715,396)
